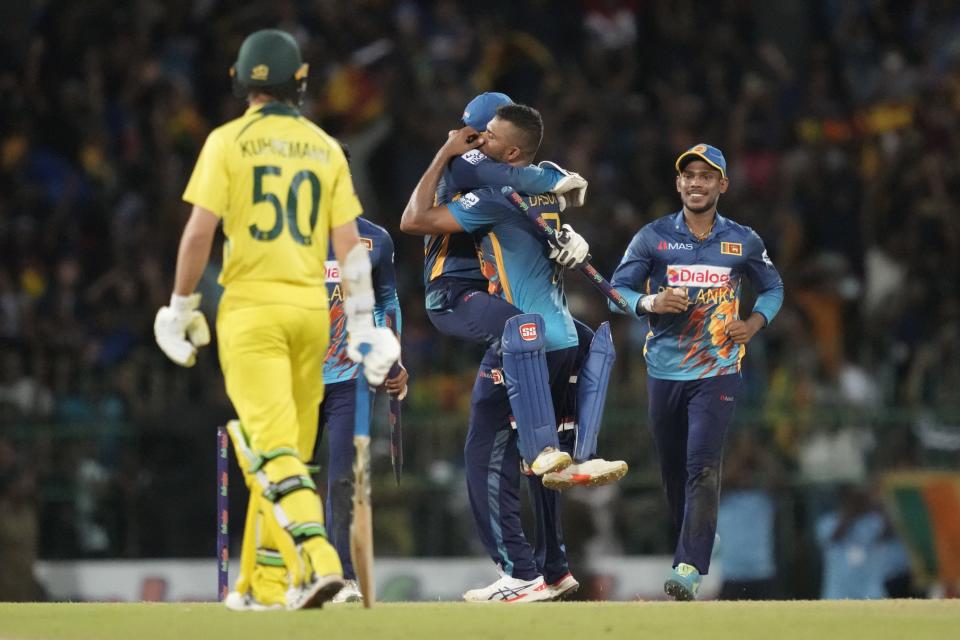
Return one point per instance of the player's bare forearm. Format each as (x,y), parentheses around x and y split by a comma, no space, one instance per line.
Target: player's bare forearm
(194,251)
(420,217)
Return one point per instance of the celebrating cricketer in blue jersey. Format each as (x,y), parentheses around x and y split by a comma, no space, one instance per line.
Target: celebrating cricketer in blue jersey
(339,398)
(684,273)
(525,375)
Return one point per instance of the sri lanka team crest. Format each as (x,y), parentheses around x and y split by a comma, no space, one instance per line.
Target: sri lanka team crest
(731,248)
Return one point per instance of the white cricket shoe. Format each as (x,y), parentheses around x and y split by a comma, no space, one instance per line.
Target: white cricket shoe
(349,593)
(592,473)
(551,460)
(565,586)
(511,591)
(314,592)
(236,601)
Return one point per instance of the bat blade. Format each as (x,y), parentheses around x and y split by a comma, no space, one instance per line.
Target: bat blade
(361,528)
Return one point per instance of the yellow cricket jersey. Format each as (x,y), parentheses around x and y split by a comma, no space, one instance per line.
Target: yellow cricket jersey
(280,183)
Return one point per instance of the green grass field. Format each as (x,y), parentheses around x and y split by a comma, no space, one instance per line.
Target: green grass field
(878,620)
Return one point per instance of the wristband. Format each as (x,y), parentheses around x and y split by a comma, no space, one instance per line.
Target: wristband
(646,303)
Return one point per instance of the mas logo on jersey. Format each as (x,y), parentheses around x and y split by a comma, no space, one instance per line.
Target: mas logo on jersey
(731,248)
(528,331)
(332,267)
(474,156)
(673,246)
(367,243)
(697,275)
(468,200)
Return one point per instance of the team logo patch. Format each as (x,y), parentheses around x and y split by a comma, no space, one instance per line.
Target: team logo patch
(260,72)
(528,331)
(700,148)
(731,248)
(367,243)
(697,275)
(468,200)
(497,376)
(474,156)
(332,267)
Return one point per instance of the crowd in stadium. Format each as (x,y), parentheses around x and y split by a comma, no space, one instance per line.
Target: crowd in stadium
(840,122)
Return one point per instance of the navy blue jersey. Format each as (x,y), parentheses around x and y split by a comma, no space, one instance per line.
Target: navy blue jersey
(692,345)
(515,258)
(455,255)
(337,367)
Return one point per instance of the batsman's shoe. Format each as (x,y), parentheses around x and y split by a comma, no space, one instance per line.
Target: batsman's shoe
(683,582)
(511,591)
(236,601)
(314,592)
(592,473)
(551,460)
(349,593)
(565,586)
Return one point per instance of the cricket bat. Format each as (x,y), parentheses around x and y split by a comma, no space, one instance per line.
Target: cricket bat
(361,528)
(587,269)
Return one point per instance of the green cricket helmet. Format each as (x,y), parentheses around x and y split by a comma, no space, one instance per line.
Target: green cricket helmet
(270,59)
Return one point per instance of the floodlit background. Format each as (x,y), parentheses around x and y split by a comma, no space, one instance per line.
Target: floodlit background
(840,121)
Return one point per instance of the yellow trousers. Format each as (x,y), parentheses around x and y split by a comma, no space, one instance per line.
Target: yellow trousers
(272,361)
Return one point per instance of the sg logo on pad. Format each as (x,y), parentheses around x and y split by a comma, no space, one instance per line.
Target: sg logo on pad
(528,331)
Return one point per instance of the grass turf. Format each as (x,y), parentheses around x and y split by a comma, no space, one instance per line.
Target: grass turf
(875,620)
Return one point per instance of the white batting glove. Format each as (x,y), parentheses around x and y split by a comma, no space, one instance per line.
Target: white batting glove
(569,248)
(377,348)
(180,328)
(571,190)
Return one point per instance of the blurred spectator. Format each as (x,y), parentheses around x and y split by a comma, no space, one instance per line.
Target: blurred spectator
(862,558)
(18,526)
(746,521)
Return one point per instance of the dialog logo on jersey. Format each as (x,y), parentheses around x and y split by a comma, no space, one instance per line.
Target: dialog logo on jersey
(697,275)
(528,331)
(332,267)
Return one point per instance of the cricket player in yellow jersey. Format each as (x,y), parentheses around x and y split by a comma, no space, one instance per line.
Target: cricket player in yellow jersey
(282,189)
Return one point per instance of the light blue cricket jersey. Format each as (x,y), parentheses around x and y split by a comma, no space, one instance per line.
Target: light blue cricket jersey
(515,258)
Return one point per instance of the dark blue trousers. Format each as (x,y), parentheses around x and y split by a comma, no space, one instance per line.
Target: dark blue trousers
(336,418)
(689,420)
(494,473)
(473,314)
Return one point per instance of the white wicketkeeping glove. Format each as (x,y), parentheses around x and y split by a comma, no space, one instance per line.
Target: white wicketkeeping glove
(377,348)
(571,190)
(569,248)
(180,328)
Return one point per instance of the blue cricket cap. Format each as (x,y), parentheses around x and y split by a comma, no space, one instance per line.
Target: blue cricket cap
(481,109)
(710,155)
